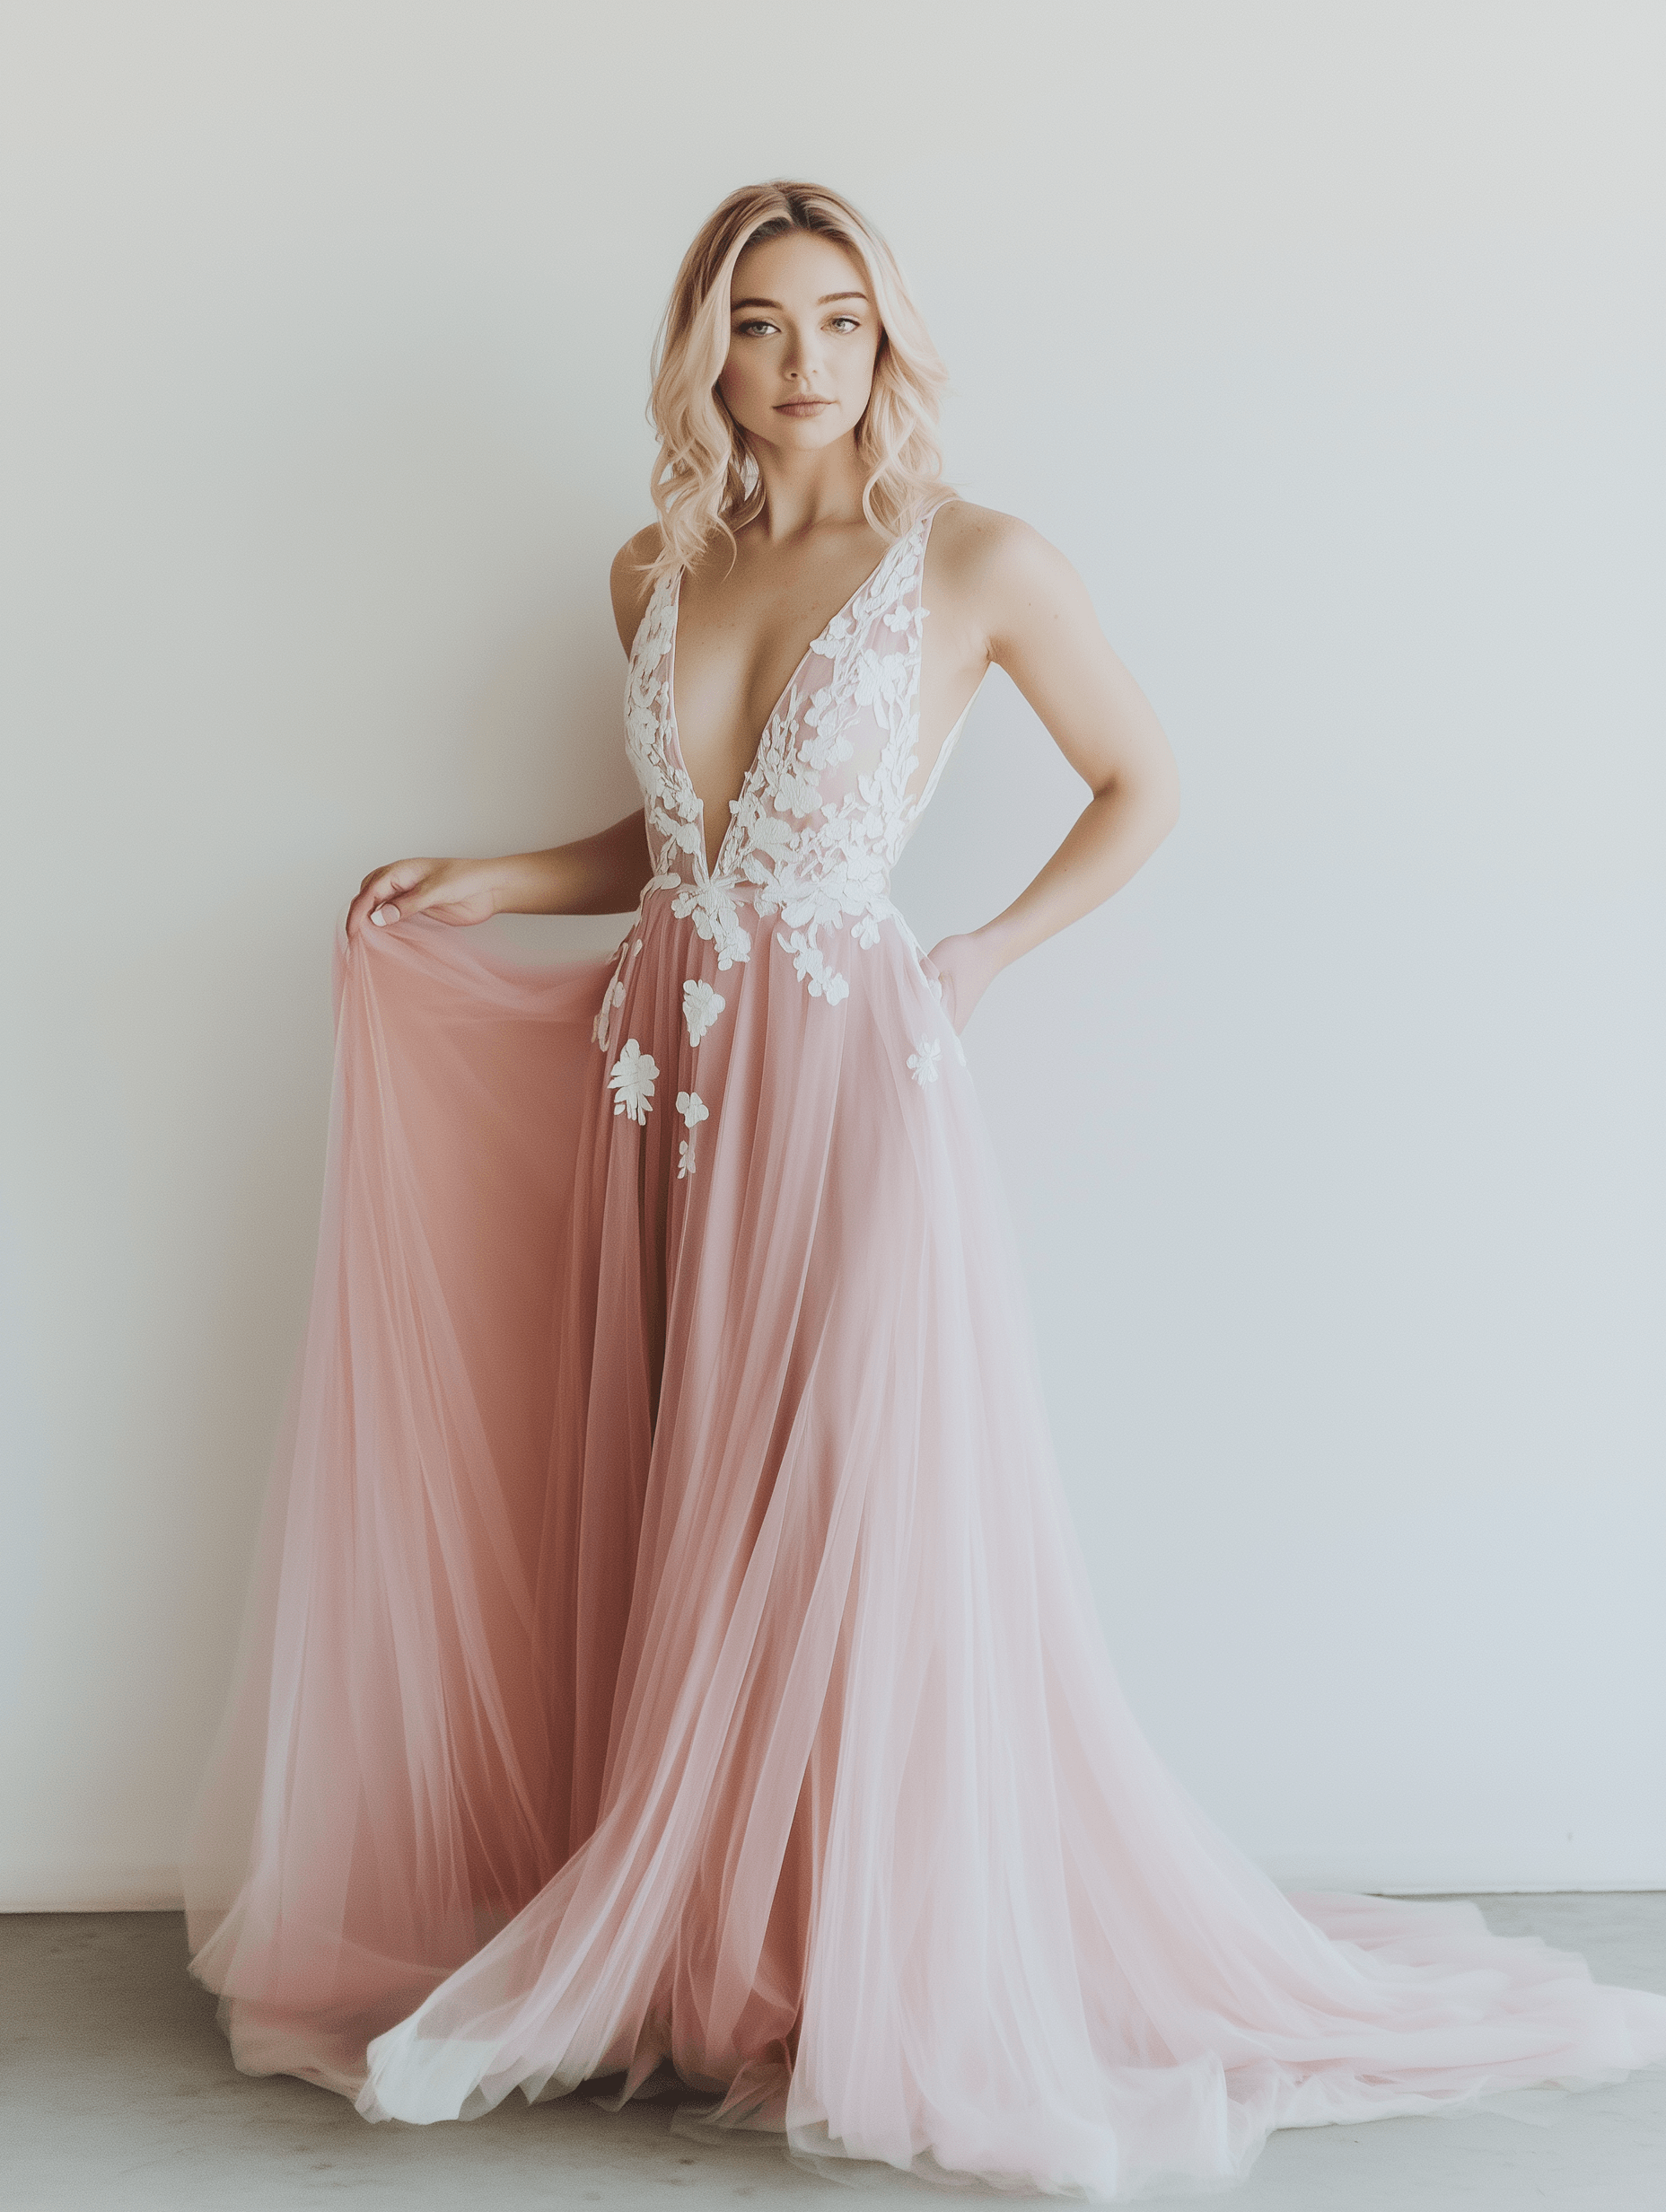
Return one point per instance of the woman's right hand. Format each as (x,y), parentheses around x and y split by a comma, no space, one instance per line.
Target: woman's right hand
(451,891)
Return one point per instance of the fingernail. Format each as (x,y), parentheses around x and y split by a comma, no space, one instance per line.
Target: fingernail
(378,917)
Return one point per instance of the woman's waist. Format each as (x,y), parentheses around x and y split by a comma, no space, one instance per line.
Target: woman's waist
(797,901)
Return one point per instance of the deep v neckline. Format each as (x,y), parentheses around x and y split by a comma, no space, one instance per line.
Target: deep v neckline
(708,869)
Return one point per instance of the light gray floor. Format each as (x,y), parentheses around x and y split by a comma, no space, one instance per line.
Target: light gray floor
(116,2095)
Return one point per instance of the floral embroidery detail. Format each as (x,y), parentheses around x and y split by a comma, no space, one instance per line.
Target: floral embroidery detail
(631,1078)
(694,1109)
(614,995)
(701,1006)
(797,794)
(825,808)
(935,983)
(923,1061)
(810,966)
(715,917)
(671,807)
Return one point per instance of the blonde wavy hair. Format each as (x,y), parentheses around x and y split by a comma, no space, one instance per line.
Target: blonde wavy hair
(706,480)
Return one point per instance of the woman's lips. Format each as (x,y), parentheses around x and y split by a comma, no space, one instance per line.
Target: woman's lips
(802,406)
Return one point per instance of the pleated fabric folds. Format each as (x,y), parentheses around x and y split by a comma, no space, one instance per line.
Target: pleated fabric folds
(671,1653)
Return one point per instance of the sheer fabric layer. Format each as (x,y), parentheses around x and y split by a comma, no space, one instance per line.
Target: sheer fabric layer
(671,1649)
(674,1649)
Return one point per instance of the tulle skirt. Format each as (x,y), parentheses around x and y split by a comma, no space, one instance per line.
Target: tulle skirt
(671,1654)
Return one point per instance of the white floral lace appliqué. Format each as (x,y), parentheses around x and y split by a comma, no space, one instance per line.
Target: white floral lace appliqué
(715,917)
(701,1006)
(809,964)
(923,1061)
(694,1109)
(631,1080)
(614,995)
(826,806)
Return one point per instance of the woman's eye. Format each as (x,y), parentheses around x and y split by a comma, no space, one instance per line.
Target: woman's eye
(843,322)
(754,330)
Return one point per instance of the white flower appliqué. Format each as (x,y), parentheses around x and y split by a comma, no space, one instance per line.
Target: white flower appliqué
(614,995)
(694,1109)
(923,1061)
(701,1006)
(715,917)
(631,1079)
(828,800)
(809,964)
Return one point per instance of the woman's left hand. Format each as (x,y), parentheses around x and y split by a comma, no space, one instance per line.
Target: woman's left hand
(965,967)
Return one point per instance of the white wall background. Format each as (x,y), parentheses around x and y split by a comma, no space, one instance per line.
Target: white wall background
(1326,340)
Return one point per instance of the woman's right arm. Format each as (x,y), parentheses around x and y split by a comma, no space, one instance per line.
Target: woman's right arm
(603,874)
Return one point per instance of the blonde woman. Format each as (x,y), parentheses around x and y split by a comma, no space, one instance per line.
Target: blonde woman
(674,1660)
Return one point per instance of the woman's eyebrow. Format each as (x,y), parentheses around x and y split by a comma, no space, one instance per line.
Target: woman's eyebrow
(736,305)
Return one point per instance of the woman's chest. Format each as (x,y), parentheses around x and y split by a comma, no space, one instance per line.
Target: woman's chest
(742,634)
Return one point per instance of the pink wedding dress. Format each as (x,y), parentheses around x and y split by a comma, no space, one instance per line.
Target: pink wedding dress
(670,1650)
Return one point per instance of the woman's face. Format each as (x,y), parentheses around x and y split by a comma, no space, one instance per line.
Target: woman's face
(803,334)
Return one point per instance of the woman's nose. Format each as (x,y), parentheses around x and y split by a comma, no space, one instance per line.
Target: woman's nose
(803,359)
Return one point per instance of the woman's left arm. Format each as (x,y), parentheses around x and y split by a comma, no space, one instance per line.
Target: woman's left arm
(1033,611)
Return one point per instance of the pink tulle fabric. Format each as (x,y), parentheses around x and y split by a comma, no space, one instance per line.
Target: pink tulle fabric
(671,1654)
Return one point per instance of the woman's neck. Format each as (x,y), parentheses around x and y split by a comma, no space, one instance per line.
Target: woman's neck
(804,490)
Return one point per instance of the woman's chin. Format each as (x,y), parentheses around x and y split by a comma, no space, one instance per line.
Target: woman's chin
(801,434)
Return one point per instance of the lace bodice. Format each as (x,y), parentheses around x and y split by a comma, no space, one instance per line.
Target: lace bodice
(828,802)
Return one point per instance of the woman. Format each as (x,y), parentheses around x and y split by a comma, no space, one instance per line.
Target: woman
(675,1651)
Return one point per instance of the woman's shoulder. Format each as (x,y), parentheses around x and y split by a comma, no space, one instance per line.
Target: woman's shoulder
(985,555)
(628,581)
